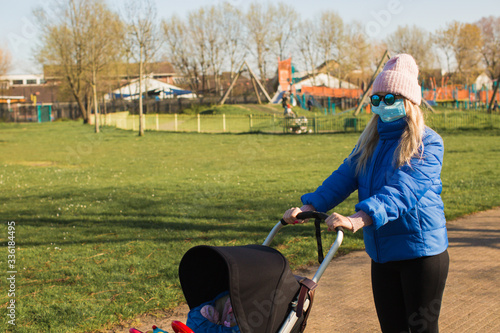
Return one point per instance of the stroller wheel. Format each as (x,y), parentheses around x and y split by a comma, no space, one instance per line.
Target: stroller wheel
(179,327)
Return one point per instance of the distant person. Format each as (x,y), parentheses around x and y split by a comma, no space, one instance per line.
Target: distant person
(284,101)
(309,104)
(396,168)
(495,106)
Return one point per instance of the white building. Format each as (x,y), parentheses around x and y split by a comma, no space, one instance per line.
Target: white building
(324,80)
(23,79)
(153,87)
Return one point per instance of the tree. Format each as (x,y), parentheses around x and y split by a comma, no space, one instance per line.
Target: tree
(307,45)
(180,49)
(142,40)
(5,61)
(414,41)
(490,49)
(105,31)
(233,36)
(445,39)
(258,26)
(283,27)
(197,23)
(215,43)
(356,51)
(467,51)
(330,38)
(64,45)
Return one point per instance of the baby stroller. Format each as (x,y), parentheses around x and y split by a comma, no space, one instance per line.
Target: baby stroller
(265,295)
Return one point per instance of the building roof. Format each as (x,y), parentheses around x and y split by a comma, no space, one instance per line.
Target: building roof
(131,90)
(324,80)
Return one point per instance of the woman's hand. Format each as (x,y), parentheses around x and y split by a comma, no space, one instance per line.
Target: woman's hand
(336,220)
(290,215)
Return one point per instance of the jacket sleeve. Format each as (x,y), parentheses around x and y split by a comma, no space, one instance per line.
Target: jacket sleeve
(335,189)
(408,184)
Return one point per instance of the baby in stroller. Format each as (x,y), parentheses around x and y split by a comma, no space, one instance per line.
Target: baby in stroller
(214,316)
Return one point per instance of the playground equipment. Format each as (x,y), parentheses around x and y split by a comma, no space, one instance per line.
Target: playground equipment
(460,95)
(255,82)
(317,90)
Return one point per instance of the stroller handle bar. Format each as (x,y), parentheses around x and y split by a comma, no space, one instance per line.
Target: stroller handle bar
(333,249)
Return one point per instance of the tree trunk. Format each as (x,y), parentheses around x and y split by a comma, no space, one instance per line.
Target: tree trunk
(81,106)
(96,109)
(141,128)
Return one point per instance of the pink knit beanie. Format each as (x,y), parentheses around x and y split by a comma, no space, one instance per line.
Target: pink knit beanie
(400,77)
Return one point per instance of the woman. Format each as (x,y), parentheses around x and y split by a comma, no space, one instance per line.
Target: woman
(395,167)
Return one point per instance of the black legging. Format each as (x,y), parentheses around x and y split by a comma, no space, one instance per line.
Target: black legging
(408,293)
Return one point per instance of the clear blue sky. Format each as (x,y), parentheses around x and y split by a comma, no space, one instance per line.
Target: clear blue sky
(380,17)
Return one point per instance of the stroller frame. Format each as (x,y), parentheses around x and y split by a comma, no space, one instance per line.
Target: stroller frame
(292,316)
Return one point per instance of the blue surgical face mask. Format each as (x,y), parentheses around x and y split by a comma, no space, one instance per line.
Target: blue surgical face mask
(390,113)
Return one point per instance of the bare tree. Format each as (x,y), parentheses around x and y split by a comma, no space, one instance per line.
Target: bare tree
(356,51)
(233,36)
(105,31)
(215,43)
(258,25)
(330,38)
(64,45)
(142,41)
(180,49)
(414,41)
(197,22)
(5,61)
(445,39)
(307,45)
(283,27)
(490,49)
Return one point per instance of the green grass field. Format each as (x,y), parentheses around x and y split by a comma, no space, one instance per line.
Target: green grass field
(102,221)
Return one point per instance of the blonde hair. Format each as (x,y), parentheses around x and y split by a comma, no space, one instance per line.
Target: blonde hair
(410,145)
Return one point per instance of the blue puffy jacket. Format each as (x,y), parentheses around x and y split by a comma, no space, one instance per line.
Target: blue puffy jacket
(404,203)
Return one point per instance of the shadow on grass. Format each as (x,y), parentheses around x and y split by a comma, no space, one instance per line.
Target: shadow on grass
(165,232)
(209,216)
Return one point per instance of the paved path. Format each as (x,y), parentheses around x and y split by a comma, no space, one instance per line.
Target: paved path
(344,300)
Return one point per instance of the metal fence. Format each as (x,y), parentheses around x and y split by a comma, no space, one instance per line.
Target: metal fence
(278,124)
(234,123)
(457,120)
(314,123)
(28,112)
